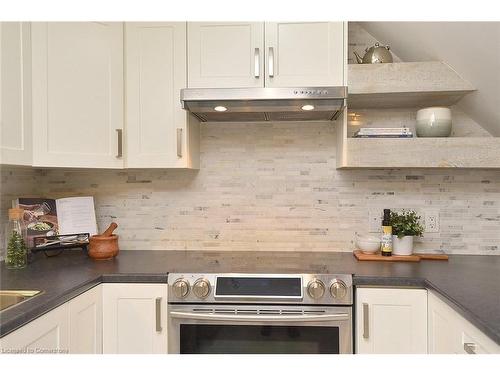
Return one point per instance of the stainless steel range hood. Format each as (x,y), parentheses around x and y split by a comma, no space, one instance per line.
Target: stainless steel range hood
(265,104)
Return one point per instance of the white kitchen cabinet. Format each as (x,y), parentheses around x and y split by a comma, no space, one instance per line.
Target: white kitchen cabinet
(85,318)
(74,327)
(305,54)
(15,94)
(473,341)
(443,333)
(77,94)
(450,333)
(49,333)
(391,321)
(225,54)
(134,318)
(159,133)
(287,54)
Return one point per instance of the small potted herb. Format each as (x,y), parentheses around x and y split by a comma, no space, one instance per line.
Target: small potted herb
(405,225)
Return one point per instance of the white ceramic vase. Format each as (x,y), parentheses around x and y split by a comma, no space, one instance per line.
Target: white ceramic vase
(402,246)
(434,122)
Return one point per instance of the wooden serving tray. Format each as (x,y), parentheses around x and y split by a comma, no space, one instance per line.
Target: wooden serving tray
(398,258)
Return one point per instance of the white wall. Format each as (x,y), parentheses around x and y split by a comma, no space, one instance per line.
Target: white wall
(471,48)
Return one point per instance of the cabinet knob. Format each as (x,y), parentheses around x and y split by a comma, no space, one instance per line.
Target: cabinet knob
(179,142)
(366,321)
(119,135)
(256,63)
(270,62)
(470,348)
(158,314)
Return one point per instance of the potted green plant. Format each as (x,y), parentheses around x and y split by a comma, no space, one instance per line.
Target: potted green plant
(405,225)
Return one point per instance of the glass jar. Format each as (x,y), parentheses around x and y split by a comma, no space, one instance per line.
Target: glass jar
(16,256)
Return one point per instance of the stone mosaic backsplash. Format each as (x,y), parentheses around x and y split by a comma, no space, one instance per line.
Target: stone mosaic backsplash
(272,187)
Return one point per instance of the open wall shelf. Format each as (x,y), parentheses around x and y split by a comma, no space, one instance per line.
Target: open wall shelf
(402,85)
(410,85)
(422,153)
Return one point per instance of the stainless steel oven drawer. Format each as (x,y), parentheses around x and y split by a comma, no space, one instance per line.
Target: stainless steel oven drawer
(260,329)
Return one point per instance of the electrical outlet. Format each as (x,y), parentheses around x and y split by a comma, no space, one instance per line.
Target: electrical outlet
(375,221)
(432,221)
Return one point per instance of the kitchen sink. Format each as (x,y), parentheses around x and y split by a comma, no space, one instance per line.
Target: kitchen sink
(10,298)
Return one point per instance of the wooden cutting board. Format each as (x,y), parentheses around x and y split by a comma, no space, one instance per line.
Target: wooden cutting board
(398,258)
(431,256)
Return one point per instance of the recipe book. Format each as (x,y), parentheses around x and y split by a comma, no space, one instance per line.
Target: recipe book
(50,217)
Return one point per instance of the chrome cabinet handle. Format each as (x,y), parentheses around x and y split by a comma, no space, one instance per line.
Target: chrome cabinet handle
(366,321)
(470,347)
(256,63)
(158,314)
(271,62)
(119,134)
(259,318)
(179,142)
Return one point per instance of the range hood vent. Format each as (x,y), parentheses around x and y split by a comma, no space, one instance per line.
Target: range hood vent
(265,104)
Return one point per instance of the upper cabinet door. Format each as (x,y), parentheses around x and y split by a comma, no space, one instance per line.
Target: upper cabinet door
(225,54)
(15,93)
(305,54)
(77,94)
(158,130)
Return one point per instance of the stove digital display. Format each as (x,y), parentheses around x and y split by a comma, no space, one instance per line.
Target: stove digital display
(259,287)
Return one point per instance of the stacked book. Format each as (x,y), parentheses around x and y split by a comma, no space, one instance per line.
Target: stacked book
(383,133)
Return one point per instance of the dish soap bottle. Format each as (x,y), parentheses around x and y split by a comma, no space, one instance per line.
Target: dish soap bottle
(16,256)
(386,242)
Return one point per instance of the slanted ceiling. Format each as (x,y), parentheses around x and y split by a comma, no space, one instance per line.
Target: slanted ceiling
(471,48)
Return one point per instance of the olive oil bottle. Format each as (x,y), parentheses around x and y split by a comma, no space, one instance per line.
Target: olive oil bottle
(386,241)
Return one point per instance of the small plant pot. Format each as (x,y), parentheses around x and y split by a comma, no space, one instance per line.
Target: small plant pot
(402,246)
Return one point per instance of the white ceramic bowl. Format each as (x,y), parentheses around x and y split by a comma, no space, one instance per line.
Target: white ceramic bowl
(368,244)
(434,122)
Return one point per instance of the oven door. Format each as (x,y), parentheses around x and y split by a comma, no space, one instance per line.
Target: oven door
(252,329)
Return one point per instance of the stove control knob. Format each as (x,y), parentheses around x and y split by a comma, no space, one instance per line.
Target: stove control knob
(180,287)
(338,289)
(201,288)
(315,289)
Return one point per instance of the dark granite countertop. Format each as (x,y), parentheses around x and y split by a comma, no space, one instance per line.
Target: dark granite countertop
(469,283)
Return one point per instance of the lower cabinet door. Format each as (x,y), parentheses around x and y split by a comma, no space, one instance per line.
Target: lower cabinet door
(443,333)
(46,334)
(134,318)
(391,321)
(450,333)
(85,317)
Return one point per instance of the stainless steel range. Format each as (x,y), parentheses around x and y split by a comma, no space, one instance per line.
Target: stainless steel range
(260,313)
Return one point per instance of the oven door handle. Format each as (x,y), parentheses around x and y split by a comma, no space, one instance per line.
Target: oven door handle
(260,317)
